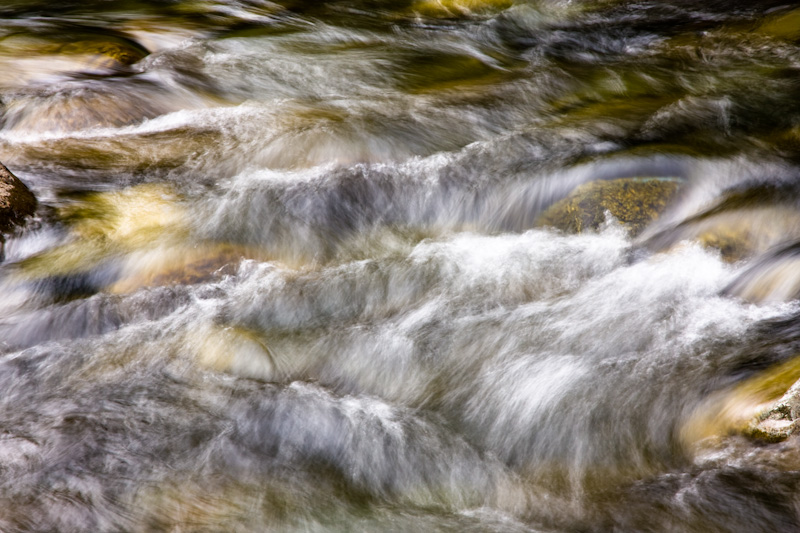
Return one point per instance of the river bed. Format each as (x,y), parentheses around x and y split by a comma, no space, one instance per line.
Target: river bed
(299,266)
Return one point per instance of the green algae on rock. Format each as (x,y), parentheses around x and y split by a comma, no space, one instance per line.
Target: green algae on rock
(635,202)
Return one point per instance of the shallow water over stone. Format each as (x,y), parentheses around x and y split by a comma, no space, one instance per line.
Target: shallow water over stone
(465,265)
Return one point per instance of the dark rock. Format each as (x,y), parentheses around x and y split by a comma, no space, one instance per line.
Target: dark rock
(635,202)
(16,201)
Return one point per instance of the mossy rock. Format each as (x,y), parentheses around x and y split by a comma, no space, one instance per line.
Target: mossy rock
(635,202)
(16,201)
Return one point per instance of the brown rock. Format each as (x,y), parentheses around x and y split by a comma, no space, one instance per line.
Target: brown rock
(16,201)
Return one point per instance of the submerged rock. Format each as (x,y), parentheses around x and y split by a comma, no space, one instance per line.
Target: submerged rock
(774,277)
(16,203)
(106,55)
(125,240)
(64,51)
(105,226)
(179,264)
(745,222)
(449,8)
(66,107)
(635,202)
(235,350)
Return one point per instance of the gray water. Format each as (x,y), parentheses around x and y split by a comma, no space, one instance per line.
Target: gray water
(287,273)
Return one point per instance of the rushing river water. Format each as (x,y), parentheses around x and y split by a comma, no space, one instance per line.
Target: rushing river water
(289,271)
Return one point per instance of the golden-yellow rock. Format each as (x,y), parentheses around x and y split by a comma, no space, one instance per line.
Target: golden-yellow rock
(144,231)
(439,8)
(38,58)
(234,350)
(106,224)
(743,233)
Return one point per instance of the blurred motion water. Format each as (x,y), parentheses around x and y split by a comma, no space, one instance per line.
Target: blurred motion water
(433,265)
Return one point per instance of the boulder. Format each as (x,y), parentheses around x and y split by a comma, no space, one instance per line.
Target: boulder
(635,202)
(16,203)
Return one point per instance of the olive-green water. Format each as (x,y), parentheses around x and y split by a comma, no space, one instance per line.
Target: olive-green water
(422,265)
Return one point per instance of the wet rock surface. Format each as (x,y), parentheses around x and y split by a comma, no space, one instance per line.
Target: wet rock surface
(16,201)
(779,421)
(635,202)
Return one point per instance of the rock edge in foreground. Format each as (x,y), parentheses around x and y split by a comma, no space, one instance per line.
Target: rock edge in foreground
(16,203)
